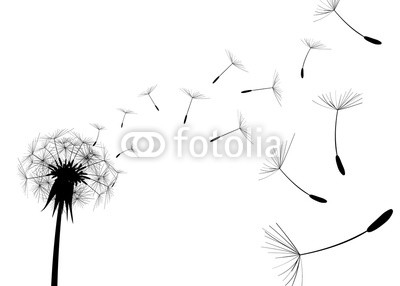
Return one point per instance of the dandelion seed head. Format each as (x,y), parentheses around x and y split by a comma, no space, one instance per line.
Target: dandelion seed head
(63,168)
(148,91)
(312,44)
(325,8)
(276,88)
(193,94)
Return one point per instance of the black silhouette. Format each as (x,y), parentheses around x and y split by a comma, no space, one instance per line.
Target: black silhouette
(275,163)
(234,62)
(347,100)
(131,148)
(193,95)
(125,112)
(65,169)
(312,45)
(147,92)
(99,128)
(242,128)
(329,6)
(286,251)
(275,88)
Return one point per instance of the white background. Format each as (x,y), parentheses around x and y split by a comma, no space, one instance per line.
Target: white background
(185,221)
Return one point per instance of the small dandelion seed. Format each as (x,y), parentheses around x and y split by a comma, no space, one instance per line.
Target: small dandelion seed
(147,93)
(312,45)
(242,128)
(130,149)
(328,7)
(99,128)
(125,112)
(275,163)
(274,87)
(234,62)
(192,95)
(346,100)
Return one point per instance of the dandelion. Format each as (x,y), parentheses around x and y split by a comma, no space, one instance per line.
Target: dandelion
(275,88)
(312,45)
(99,128)
(131,149)
(282,246)
(347,100)
(125,112)
(234,62)
(65,170)
(148,92)
(193,95)
(275,163)
(327,7)
(242,128)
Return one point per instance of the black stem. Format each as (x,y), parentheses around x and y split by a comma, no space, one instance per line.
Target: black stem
(337,244)
(304,62)
(222,73)
(337,113)
(220,136)
(153,102)
(123,119)
(97,137)
(54,272)
(349,25)
(294,183)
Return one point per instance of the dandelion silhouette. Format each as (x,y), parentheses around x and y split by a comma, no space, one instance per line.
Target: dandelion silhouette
(148,92)
(328,7)
(125,112)
(193,95)
(282,246)
(131,149)
(99,128)
(275,163)
(234,62)
(65,170)
(347,100)
(275,88)
(312,45)
(242,128)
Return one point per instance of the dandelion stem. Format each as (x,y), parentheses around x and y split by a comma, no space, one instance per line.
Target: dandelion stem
(256,89)
(215,80)
(154,103)
(348,24)
(54,273)
(337,113)
(216,138)
(187,112)
(294,182)
(358,235)
(97,137)
(304,62)
(123,119)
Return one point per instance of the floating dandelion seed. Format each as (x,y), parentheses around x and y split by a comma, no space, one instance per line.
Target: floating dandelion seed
(347,100)
(275,88)
(99,128)
(312,45)
(193,95)
(234,62)
(242,128)
(280,244)
(131,149)
(64,169)
(148,92)
(329,6)
(275,163)
(125,112)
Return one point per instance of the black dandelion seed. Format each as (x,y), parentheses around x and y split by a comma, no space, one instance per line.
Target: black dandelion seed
(347,100)
(312,45)
(234,62)
(328,7)
(192,95)
(275,163)
(148,92)
(282,246)
(125,112)
(242,128)
(274,87)
(65,170)
(99,128)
